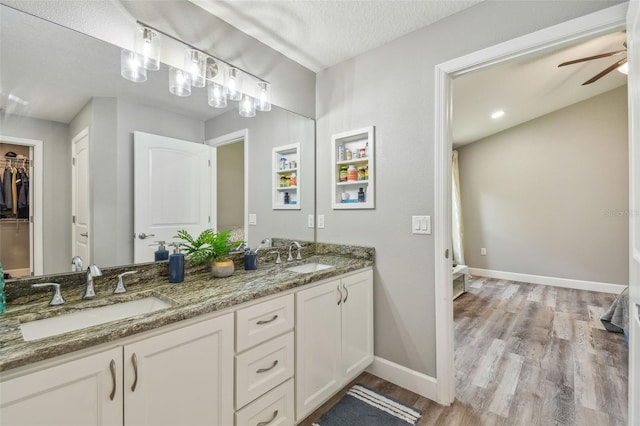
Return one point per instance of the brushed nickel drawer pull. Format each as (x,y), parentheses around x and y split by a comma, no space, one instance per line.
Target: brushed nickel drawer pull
(339,296)
(275,414)
(261,322)
(346,294)
(264,370)
(134,361)
(112,367)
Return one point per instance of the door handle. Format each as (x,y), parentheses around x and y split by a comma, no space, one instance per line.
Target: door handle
(275,414)
(262,322)
(339,296)
(346,294)
(134,361)
(84,234)
(142,235)
(112,367)
(264,370)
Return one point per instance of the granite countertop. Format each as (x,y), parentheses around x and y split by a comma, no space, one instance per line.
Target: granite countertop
(199,294)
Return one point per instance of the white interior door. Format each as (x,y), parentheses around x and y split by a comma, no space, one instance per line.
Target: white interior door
(172,190)
(633,46)
(80,194)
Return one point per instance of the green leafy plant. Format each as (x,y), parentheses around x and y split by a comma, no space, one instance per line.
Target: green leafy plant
(208,246)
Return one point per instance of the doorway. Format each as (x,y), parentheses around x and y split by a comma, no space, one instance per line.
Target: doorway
(598,23)
(21,228)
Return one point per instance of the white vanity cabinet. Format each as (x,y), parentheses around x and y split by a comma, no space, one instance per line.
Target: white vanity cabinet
(87,391)
(334,326)
(183,376)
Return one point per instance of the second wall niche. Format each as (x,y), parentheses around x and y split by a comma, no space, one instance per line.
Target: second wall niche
(286,177)
(352,174)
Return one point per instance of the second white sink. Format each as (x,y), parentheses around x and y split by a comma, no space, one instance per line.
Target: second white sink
(89,317)
(308,268)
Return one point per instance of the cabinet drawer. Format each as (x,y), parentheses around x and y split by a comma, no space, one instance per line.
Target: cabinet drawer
(262,368)
(259,323)
(275,408)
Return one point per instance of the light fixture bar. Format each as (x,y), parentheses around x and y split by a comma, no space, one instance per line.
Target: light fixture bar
(199,50)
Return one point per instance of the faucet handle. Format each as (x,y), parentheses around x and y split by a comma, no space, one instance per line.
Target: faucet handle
(56,298)
(76,261)
(278,260)
(120,288)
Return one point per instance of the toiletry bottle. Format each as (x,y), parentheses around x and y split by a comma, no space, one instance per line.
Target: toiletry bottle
(286,198)
(294,179)
(176,265)
(361,196)
(162,253)
(352,174)
(3,302)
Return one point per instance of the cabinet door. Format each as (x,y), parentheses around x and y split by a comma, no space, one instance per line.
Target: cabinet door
(182,377)
(357,324)
(317,346)
(74,393)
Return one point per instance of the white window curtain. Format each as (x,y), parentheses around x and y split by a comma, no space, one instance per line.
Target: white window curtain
(456,213)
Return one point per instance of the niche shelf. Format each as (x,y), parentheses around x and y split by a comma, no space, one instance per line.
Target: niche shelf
(353,150)
(286,177)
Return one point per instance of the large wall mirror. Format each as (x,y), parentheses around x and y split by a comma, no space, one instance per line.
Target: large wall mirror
(61,89)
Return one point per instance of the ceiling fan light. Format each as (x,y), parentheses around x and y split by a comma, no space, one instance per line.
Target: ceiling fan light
(131,66)
(624,68)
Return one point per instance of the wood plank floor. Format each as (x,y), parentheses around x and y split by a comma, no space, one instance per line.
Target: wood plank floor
(525,355)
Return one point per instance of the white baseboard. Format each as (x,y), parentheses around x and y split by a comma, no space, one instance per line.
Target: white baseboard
(552,281)
(419,383)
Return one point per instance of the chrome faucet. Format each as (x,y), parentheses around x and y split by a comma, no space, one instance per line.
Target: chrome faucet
(56,297)
(298,246)
(266,243)
(77,263)
(120,288)
(92,271)
(277,258)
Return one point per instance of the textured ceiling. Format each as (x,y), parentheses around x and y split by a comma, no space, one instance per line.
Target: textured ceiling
(320,33)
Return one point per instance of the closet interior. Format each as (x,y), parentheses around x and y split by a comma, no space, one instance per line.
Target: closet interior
(15,210)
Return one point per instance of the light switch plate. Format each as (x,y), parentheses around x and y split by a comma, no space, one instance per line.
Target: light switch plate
(310,221)
(421,225)
(320,221)
(252,219)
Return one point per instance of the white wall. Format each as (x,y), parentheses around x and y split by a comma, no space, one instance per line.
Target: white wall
(392,88)
(56,219)
(266,131)
(230,182)
(550,197)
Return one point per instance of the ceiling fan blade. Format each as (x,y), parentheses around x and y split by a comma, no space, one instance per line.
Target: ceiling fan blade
(589,58)
(605,71)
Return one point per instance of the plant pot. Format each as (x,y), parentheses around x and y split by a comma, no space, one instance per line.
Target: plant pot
(221,269)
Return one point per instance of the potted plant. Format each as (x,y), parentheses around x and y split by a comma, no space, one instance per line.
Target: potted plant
(212,247)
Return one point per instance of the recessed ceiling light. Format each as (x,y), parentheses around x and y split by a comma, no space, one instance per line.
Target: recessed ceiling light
(497,114)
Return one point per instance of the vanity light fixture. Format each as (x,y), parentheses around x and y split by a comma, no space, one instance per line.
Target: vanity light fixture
(223,81)
(264,99)
(497,114)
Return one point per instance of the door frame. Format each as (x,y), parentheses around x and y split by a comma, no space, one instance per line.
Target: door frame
(36,263)
(229,138)
(74,176)
(588,26)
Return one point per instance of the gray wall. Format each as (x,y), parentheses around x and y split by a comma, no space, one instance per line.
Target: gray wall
(266,131)
(56,187)
(230,182)
(549,197)
(392,88)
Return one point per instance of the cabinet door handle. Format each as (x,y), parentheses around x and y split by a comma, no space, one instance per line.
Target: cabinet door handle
(339,296)
(112,367)
(275,414)
(261,322)
(346,294)
(264,370)
(134,361)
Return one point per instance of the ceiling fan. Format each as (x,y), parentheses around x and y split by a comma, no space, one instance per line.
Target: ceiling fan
(605,71)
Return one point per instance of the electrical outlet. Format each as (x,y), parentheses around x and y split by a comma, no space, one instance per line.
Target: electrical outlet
(483,251)
(320,221)
(310,221)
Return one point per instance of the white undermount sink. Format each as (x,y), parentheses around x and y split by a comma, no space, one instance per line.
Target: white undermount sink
(308,268)
(89,317)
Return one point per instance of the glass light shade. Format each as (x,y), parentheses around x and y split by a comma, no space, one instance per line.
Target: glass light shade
(131,66)
(264,98)
(247,106)
(217,94)
(195,63)
(624,68)
(234,83)
(179,82)
(147,44)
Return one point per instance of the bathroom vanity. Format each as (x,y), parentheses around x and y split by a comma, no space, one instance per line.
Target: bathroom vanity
(268,345)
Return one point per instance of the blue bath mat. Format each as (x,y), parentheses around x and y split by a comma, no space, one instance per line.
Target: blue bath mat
(362,406)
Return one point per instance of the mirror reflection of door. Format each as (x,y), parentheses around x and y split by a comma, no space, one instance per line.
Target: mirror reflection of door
(80,197)
(172,191)
(230,188)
